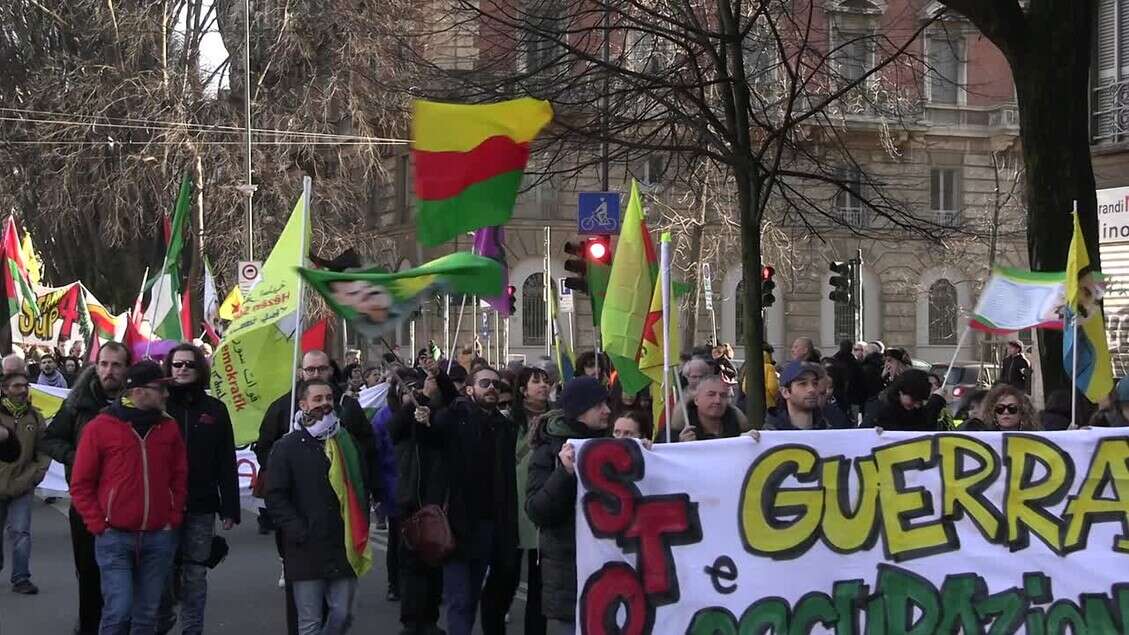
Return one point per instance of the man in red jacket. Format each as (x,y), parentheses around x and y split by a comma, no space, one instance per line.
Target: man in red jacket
(129,484)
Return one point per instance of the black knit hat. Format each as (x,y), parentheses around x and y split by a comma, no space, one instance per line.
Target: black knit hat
(581,394)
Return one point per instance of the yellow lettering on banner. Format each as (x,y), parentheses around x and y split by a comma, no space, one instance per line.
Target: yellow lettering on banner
(901,505)
(1108,467)
(963,491)
(776,521)
(846,531)
(1025,499)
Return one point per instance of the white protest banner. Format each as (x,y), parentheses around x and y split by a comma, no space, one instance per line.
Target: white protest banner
(853,532)
(61,317)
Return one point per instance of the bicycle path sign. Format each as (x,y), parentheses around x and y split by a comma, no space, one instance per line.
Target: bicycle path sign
(597,213)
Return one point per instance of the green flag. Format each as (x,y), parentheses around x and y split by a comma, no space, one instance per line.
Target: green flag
(376,299)
(163,312)
(628,300)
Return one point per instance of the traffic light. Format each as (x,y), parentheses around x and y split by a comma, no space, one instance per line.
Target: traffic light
(587,255)
(511,299)
(767,286)
(576,264)
(841,282)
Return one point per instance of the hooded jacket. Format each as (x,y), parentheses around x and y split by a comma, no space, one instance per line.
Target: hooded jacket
(30,465)
(126,479)
(83,403)
(10,449)
(551,505)
(205,427)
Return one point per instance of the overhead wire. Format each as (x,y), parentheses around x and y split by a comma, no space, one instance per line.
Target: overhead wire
(171,126)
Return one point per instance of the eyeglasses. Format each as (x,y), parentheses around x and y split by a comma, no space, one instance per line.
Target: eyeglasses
(316,369)
(1008,408)
(185,364)
(486,383)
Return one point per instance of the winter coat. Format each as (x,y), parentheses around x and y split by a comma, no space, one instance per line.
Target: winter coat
(277,423)
(526,530)
(420,476)
(302,504)
(1014,371)
(385,465)
(852,391)
(551,505)
(30,466)
(83,403)
(731,423)
(10,449)
(126,481)
(213,483)
(827,418)
(58,380)
(890,415)
(458,431)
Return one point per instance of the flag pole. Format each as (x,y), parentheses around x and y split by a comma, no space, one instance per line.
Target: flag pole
(664,280)
(953,361)
(307,188)
(458,327)
(1074,312)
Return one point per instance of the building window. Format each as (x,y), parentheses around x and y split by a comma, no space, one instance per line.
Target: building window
(848,204)
(533,310)
(943,309)
(944,195)
(1110,102)
(943,77)
(844,322)
(543,36)
(649,53)
(759,51)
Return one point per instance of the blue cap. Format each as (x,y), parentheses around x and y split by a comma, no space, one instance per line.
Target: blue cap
(796,368)
(1123,390)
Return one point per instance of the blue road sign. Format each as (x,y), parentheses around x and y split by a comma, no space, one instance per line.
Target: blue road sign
(597,213)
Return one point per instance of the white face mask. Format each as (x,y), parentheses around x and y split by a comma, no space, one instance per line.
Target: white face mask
(325,427)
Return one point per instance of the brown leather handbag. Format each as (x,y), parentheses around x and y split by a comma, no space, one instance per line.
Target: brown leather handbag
(427,532)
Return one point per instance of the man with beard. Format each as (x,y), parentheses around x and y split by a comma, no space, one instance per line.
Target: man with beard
(213,485)
(49,374)
(800,388)
(93,390)
(315,486)
(480,459)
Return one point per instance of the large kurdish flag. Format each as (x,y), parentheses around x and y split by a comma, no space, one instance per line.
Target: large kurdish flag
(469,161)
(345,477)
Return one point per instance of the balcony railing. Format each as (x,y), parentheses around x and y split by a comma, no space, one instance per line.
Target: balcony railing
(1110,113)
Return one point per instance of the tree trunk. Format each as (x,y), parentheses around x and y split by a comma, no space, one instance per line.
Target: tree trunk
(749,191)
(1052,79)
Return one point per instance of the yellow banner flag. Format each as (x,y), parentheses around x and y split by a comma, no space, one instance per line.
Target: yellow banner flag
(231,304)
(254,363)
(31,259)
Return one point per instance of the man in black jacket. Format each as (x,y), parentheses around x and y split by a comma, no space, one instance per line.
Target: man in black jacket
(479,446)
(1015,369)
(551,503)
(308,511)
(92,391)
(213,485)
(277,422)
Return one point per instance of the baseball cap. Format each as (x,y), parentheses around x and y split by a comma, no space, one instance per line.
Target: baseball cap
(143,373)
(1123,390)
(796,368)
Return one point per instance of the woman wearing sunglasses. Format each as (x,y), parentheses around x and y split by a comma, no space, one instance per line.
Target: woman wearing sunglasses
(1008,409)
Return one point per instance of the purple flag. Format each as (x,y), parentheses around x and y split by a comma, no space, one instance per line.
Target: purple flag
(489,242)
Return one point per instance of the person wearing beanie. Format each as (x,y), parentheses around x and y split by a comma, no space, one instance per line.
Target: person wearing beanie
(582,413)
(901,406)
(479,446)
(213,485)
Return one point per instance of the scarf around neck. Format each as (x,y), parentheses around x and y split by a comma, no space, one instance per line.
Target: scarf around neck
(17,409)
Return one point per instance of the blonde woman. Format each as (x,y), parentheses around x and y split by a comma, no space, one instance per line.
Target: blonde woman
(1008,409)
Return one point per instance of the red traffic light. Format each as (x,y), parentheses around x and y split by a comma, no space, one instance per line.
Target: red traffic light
(511,290)
(597,250)
(767,272)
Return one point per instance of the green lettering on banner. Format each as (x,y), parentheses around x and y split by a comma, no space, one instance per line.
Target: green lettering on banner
(903,591)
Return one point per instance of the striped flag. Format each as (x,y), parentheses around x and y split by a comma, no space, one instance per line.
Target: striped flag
(17,284)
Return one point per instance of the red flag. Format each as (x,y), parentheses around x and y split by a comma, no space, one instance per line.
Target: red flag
(186,315)
(313,339)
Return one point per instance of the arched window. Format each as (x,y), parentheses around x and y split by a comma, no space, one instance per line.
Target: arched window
(943,308)
(533,310)
(844,322)
(739,316)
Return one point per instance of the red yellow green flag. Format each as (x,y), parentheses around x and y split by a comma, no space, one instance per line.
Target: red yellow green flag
(651,351)
(347,482)
(630,288)
(17,285)
(469,162)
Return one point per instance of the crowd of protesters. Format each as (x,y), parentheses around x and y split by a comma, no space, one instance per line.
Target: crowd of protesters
(150,460)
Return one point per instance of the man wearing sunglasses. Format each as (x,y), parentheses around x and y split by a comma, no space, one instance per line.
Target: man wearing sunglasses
(213,485)
(129,484)
(480,462)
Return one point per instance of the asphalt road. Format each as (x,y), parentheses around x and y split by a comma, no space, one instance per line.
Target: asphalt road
(243,592)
